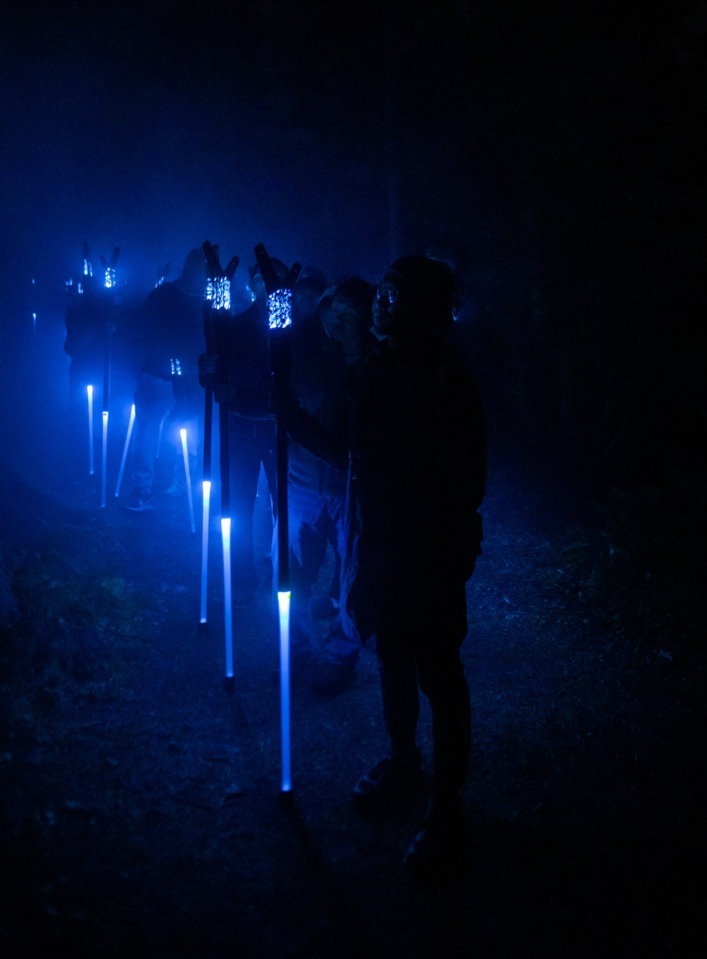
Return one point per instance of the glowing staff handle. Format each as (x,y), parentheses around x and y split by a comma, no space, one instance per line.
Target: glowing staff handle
(104,457)
(279,292)
(106,401)
(283,605)
(226,542)
(126,447)
(280,317)
(206,502)
(89,395)
(218,297)
(185,455)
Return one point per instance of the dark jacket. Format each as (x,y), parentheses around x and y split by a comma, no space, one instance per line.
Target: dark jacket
(416,480)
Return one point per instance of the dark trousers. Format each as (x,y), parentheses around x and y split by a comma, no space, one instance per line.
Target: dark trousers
(427,659)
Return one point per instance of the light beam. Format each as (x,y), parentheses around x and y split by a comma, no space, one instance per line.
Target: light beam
(89,395)
(185,455)
(283,604)
(206,501)
(227,610)
(126,447)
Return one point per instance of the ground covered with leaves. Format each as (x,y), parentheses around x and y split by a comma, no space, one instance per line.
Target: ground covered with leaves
(141,809)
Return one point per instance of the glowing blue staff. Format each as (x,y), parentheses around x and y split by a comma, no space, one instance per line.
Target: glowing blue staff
(279,292)
(106,401)
(226,543)
(217,298)
(227,609)
(87,266)
(104,457)
(283,605)
(185,455)
(280,309)
(126,447)
(109,272)
(89,395)
(206,504)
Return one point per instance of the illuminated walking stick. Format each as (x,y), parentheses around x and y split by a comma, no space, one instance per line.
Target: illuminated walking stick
(226,543)
(126,447)
(218,300)
(89,395)
(185,454)
(280,323)
(104,457)
(104,416)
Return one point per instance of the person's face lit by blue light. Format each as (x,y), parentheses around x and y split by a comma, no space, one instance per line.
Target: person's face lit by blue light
(344,324)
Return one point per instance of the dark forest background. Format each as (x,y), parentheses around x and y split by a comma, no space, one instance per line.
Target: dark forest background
(554,153)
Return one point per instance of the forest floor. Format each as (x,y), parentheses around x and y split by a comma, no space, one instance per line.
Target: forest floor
(141,804)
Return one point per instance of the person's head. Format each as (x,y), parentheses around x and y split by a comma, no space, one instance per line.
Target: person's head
(414,297)
(192,279)
(346,315)
(306,294)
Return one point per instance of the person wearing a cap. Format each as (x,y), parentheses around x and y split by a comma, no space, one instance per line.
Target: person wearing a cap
(414,449)
(416,482)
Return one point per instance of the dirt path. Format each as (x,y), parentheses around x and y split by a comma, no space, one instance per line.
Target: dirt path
(141,808)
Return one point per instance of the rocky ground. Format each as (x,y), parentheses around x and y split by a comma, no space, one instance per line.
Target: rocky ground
(141,808)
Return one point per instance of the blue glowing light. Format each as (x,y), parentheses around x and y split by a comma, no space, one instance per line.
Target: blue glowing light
(89,395)
(218,292)
(87,268)
(175,367)
(279,309)
(109,277)
(283,604)
(185,455)
(104,457)
(227,611)
(126,447)
(206,501)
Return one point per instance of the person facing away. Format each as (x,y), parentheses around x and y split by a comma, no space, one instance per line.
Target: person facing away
(416,480)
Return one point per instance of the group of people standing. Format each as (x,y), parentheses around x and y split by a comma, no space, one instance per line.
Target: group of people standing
(386,473)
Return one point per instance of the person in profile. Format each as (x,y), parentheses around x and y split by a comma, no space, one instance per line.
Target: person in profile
(416,475)
(327,350)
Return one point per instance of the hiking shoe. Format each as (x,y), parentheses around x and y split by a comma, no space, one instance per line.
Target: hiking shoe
(440,847)
(390,785)
(139,502)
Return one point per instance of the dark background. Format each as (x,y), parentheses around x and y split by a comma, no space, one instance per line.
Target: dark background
(557,157)
(553,152)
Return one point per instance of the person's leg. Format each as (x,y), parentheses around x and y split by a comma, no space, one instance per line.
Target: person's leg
(397,779)
(442,680)
(440,843)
